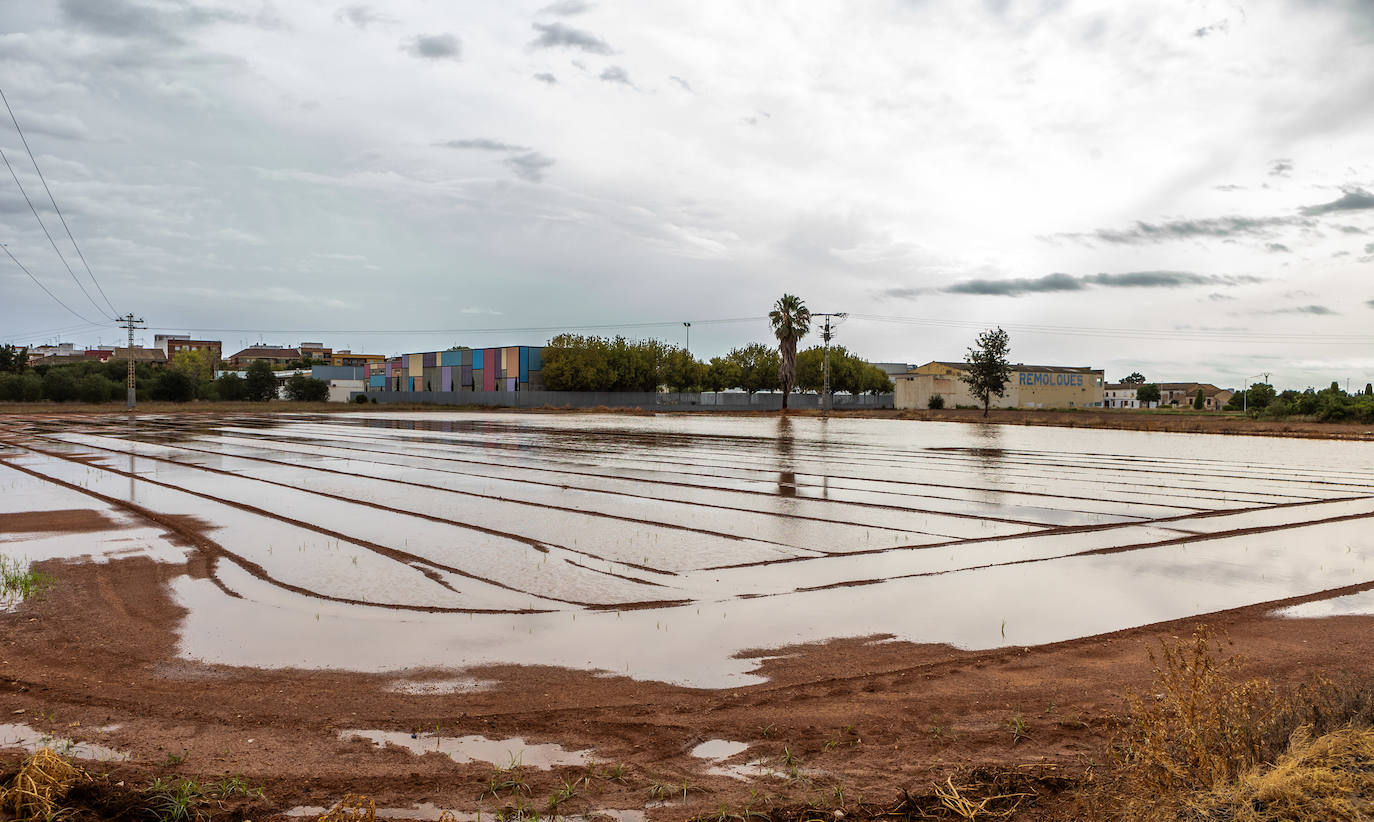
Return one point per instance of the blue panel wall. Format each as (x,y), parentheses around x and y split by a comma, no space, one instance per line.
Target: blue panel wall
(524,364)
(477,358)
(377,381)
(451,357)
(536,359)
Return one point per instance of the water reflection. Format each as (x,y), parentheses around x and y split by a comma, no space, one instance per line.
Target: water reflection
(785,445)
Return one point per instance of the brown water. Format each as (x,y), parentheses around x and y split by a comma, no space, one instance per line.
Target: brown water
(662,547)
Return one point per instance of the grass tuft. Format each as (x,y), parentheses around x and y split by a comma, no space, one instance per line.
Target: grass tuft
(18,581)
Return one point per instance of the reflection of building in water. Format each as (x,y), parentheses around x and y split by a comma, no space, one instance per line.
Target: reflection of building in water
(1031,386)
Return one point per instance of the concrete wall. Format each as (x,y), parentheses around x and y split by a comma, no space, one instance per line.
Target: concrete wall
(705,401)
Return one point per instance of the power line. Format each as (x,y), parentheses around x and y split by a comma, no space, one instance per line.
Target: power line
(454,331)
(1129,333)
(6,247)
(53,200)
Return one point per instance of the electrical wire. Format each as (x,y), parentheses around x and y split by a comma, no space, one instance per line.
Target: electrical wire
(39,283)
(455,331)
(60,216)
(1200,335)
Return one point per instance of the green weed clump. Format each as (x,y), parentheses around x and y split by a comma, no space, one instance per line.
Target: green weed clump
(18,581)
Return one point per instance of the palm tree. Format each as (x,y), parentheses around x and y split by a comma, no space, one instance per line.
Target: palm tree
(791,319)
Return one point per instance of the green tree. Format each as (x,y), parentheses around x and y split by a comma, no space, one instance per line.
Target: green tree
(682,371)
(758,367)
(575,363)
(13,360)
(306,389)
(1147,394)
(811,368)
(260,383)
(198,364)
(722,373)
(1199,401)
(1134,378)
(93,388)
(59,385)
(988,370)
(1259,395)
(875,381)
(230,388)
(791,320)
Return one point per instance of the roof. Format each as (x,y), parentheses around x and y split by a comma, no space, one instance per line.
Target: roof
(1075,369)
(1191,387)
(268,352)
(139,354)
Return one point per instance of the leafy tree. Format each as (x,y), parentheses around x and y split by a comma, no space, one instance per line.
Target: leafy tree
(59,385)
(231,388)
(306,389)
(759,367)
(811,367)
(722,373)
(1135,378)
(1369,389)
(1147,394)
(875,381)
(11,387)
(174,386)
(791,320)
(198,364)
(575,363)
(13,360)
(988,370)
(260,384)
(93,388)
(682,371)
(1199,401)
(1259,395)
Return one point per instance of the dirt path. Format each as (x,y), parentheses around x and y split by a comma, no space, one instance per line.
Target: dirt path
(866,717)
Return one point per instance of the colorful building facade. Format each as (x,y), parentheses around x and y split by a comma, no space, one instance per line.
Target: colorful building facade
(512,368)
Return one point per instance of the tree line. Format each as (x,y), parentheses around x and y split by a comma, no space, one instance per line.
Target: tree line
(189,376)
(574,362)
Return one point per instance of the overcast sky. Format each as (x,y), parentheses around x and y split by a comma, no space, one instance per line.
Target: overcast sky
(1180,188)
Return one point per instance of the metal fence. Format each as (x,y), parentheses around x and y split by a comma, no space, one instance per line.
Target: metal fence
(703,401)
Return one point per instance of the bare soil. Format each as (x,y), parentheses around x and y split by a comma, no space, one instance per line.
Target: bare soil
(868,717)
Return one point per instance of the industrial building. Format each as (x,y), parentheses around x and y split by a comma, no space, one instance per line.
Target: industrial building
(512,368)
(1031,386)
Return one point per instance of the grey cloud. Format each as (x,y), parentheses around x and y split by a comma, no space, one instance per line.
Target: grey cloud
(434,47)
(681,82)
(1369,303)
(1219,27)
(1281,168)
(483,144)
(1341,254)
(64,126)
(545,77)
(566,8)
(615,74)
(1217,227)
(1277,248)
(362,16)
(558,35)
(1354,199)
(1369,248)
(529,166)
(1217,297)
(131,20)
(1351,229)
(1059,281)
(1230,187)
(1318,310)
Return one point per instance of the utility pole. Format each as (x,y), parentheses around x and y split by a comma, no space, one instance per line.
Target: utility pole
(688,326)
(128,321)
(827,331)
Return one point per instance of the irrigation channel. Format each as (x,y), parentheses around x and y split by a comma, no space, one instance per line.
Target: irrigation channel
(663,547)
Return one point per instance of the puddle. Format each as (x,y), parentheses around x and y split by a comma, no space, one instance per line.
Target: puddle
(499,752)
(664,547)
(719,749)
(429,812)
(22,736)
(432,687)
(1360,603)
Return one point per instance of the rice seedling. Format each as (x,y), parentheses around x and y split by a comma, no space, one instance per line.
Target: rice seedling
(236,785)
(510,778)
(566,791)
(18,581)
(1017,724)
(768,730)
(615,773)
(179,800)
(788,758)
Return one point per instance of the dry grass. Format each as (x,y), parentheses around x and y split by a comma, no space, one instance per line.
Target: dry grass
(352,808)
(1208,744)
(40,786)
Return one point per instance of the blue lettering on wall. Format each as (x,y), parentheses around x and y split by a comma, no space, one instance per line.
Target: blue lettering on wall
(1039,379)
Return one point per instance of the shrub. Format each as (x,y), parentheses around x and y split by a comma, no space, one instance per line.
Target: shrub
(11,387)
(94,388)
(59,386)
(361,399)
(230,388)
(936,401)
(306,389)
(30,388)
(174,386)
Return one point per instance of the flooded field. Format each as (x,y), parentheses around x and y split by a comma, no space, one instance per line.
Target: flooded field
(666,547)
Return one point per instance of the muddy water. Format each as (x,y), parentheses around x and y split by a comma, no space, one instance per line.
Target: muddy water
(662,547)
